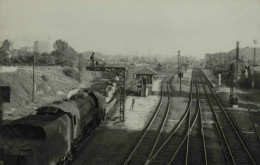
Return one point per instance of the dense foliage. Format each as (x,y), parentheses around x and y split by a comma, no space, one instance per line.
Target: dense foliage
(62,54)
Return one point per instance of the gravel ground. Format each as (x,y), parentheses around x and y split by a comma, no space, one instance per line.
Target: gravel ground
(106,145)
(178,101)
(246,128)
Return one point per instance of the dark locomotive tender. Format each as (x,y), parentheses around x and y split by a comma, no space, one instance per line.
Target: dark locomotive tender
(49,136)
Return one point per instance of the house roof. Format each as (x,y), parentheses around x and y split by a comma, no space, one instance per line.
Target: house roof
(145,71)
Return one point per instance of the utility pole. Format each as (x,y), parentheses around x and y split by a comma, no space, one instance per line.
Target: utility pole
(231,82)
(255,42)
(33,88)
(178,60)
(253,80)
(79,70)
(254,54)
(179,74)
(134,64)
(237,58)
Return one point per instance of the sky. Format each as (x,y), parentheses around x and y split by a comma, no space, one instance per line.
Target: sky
(195,27)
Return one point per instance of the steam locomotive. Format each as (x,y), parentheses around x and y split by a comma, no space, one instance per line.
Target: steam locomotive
(49,136)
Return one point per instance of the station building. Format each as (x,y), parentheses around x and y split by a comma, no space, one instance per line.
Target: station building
(145,79)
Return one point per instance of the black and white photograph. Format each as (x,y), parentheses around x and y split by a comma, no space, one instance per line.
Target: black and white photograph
(129,82)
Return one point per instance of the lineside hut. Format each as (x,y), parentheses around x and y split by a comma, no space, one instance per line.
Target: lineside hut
(145,79)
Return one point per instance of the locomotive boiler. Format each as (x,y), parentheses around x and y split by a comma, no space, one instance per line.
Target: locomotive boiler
(49,136)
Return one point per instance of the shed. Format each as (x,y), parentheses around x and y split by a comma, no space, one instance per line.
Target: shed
(144,77)
(145,73)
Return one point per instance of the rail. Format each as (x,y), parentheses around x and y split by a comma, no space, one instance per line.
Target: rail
(195,145)
(201,123)
(163,148)
(163,123)
(221,133)
(234,155)
(130,158)
(253,121)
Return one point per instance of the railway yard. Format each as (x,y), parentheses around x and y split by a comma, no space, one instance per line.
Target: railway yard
(129,82)
(172,127)
(194,125)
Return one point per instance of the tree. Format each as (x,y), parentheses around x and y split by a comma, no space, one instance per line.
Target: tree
(59,60)
(65,55)
(6,46)
(4,52)
(3,56)
(25,57)
(46,59)
(51,60)
(60,46)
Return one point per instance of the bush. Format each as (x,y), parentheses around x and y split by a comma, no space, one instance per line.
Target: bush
(72,73)
(46,59)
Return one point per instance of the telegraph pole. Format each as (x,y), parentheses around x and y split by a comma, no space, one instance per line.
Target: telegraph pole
(134,65)
(254,56)
(237,57)
(33,76)
(255,42)
(178,60)
(79,71)
(179,74)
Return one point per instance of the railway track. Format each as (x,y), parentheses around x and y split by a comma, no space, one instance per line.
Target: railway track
(185,144)
(152,132)
(189,142)
(196,146)
(253,138)
(234,146)
(214,153)
(255,118)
